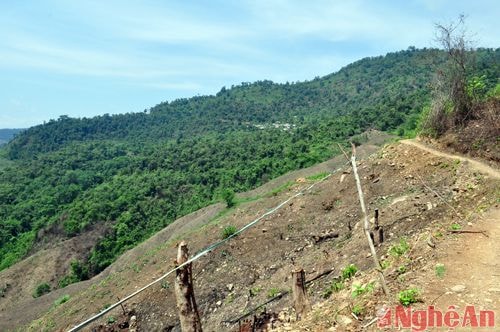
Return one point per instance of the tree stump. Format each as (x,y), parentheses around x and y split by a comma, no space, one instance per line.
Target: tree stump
(300,300)
(184,293)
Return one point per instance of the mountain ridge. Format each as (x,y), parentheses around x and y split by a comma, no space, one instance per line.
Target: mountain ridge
(136,173)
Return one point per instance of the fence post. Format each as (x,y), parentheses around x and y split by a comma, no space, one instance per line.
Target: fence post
(366,223)
(184,293)
(378,229)
(300,300)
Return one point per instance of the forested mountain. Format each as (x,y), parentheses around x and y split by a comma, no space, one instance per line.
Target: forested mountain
(135,173)
(7,134)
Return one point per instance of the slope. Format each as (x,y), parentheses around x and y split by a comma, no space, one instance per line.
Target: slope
(477,165)
(126,177)
(255,266)
(458,262)
(48,264)
(133,174)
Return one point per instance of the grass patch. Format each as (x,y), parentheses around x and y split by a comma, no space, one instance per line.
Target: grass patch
(385,264)
(318,176)
(273,292)
(281,188)
(335,286)
(358,309)
(228,231)
(254,291)
(359,290)
(63,299)
(400,249)
(349,271)
(408,296)
(440,270)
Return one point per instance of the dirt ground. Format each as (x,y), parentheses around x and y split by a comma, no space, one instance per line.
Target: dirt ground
(454,262)
(419,193)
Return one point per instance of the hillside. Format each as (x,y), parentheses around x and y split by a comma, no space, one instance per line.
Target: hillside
(105,184)
(423,196)
(48,264)
(7,134)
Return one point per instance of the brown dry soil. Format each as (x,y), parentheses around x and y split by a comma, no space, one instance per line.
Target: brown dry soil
(419,194)
(480,138)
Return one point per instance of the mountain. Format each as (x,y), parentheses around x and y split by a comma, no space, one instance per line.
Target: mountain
(7,134)
(124,177)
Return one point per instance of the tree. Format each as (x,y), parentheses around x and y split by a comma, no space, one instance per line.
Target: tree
(228,196)
(451,102)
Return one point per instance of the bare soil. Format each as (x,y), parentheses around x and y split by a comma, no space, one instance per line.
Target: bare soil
(419,193)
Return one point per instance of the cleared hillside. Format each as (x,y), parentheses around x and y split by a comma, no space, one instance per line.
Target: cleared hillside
(421,196)
(130,175)
(48,263)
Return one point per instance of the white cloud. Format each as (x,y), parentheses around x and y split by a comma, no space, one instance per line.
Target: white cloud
(180,48)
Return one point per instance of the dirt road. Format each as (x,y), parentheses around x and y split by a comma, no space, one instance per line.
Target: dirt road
(481,167)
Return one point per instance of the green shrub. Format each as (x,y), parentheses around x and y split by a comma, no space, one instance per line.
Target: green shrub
(335,286)
(408,296)
(362,289)
(61,300)
(358,309)
(78,273)
(385,264)
(228,231)
(254,291)
(495,92)
(273,292)
(349,271)
(228,196)
(399,249)
(41,289)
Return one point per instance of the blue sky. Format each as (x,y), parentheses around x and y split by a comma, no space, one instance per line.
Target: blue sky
(84,58)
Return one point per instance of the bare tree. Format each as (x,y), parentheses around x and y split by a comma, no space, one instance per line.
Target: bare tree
(451,103)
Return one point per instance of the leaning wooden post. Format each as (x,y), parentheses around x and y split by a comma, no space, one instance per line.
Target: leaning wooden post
(378,229)
(184,293)
(366,224)
(300,301)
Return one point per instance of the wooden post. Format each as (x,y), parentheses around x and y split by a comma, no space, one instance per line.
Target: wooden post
(366,224)
(184,293)
(378,229)
(300,301)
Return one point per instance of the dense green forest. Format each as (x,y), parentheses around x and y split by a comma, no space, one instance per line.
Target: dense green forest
(137,172)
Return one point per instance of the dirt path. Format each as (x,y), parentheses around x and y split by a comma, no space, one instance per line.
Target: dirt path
(471,261)
(481,167)
(472,270)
